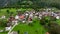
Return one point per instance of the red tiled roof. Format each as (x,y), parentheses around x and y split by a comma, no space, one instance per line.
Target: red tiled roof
(47,32)
(21,17)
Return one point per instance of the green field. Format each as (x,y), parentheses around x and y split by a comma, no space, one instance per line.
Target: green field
(30,29)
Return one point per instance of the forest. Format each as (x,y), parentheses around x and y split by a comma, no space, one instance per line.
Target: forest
(29,4)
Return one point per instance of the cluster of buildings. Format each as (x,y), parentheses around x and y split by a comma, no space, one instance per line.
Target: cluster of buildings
(28,16)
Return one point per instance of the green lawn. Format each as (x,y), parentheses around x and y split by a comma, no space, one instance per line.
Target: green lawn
(3,32)
(31,29)
(58,21)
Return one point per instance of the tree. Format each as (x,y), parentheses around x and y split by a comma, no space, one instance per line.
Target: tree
(42,21)
(3,23)
(8,11)
(54,28)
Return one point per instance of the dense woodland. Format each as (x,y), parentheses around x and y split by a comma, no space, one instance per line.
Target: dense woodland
(30,3)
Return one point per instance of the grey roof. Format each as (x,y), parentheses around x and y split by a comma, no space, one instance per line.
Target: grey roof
(14,32)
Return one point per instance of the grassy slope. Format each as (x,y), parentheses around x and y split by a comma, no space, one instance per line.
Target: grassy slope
(31,29)
(3,33)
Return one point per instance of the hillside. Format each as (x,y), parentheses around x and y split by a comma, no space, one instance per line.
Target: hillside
(30,3)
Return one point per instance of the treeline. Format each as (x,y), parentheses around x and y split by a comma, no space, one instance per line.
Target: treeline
(34,4)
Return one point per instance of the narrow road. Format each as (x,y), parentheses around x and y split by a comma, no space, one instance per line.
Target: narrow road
(12,28)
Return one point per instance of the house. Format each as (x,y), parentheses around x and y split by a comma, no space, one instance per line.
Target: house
(11,18)
(14,22)
(16,17)
(23,21)
(57,17)
(30,20)
(11,21)
(52,13)
(14,32)
(31,15)
(1,30)
(37,14)
(47,32)
(43,13)
(21,16)
(8,24)
(40,16)
(26,14)
(3,17)
(7,28)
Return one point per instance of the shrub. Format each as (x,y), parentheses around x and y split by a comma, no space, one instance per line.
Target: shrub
(54,28)
(30,24)
(8,11)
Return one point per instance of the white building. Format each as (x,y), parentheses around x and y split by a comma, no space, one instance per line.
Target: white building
(7,28)
(26,14)
(3,17)
(57,17)
(14,22)
(23,21)
(16,17)
(1,30)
